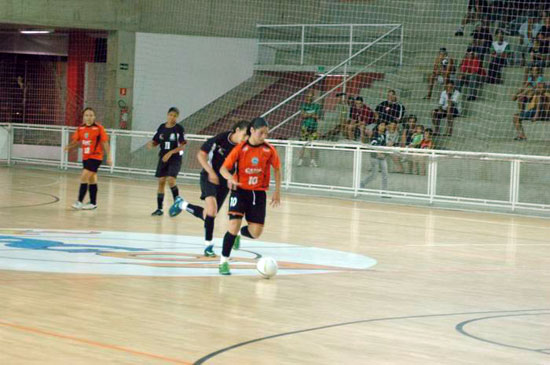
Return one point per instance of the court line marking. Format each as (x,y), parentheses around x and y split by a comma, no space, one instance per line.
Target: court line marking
(209,356)
(91,342)
(55,200)
(460,328)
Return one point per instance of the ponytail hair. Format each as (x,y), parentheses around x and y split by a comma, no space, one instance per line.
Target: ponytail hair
(241,124)
(256,123)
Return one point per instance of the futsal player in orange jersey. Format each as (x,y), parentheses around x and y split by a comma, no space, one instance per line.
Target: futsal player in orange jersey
(252,161)
(94,142)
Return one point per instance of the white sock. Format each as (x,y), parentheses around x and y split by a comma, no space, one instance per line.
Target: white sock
(207,243)
(224,259)
(184,204)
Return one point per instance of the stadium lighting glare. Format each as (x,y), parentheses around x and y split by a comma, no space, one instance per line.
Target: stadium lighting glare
(36,31)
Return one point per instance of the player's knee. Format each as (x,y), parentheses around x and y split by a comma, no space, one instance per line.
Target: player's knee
(171,181)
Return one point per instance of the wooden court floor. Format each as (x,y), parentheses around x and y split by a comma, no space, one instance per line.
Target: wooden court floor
(449,287)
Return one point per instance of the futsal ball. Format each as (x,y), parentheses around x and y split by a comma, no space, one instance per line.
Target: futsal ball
(267,267)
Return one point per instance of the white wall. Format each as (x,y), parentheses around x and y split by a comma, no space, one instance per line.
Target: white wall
(187,72)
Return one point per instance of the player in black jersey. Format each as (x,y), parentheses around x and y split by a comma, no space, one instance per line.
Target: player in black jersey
(214,187)
(170,137)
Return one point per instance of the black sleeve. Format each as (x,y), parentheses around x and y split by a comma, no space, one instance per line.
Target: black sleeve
(379,108)
(207,146)
(156,137)
(181,132)
(402,114)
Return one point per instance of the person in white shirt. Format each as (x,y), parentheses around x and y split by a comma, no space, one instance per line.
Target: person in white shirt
(450,107)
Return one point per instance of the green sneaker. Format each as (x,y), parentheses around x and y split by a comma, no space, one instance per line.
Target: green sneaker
(224,269)
(209,251)
(237,243)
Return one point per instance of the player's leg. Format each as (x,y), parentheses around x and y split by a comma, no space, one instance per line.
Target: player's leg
(161,174)
(237,207)
(84,177)
(373,172)
(255,216)
(92,188)
(210,215)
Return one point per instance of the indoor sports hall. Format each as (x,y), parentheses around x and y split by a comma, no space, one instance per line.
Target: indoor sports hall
(375,175)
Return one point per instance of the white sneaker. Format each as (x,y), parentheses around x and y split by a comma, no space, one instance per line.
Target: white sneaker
(300,162)
(312,163)
(89,206)
(77,205)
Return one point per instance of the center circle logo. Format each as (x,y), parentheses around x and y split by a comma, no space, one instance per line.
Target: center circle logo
(148,254)
(255,160)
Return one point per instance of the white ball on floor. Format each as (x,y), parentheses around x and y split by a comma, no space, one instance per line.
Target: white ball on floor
(267,267)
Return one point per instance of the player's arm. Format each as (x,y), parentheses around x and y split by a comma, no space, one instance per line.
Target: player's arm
(203,161)
(75,141)
(107,149)
(276,198)
(155,141)
(228,164)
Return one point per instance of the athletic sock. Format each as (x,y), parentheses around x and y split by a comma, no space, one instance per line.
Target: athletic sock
(93,194)
(175,191)
(196,210)
(209,228)
(228,241)
(160,200)
(245,232)
(82,192)
(223,259)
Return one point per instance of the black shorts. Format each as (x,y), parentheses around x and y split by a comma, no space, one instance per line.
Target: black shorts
(170,168)
(249,204)
(91,164)
(217,191)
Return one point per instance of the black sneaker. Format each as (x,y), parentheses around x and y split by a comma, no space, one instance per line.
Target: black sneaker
(158,212)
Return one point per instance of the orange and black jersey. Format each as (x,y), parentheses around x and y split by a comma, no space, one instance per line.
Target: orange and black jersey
(91,138)
(252,164)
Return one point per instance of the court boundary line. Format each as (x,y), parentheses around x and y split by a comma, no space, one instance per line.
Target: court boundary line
(92,343)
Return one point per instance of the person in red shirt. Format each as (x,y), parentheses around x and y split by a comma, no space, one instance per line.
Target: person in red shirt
(471,74)
(94,142)
(252,161)
(362,120)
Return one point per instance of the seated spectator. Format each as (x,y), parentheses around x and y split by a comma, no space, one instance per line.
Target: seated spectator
(415,142)
(500,51)
(471,74)
(449,108)
(393,139)
(534,76)
(537,108)
(378,159)
(427,143)
(477,11)
(362,120)
(310,114)
(544,38)
(391,109)
(482,39)
(527,34)
(342,110)
(408,130)
(417,137)
(443,71)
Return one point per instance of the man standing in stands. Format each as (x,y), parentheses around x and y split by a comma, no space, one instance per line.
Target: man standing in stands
(390,110)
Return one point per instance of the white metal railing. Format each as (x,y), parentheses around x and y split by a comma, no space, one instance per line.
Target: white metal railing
(350,42)
(432,181)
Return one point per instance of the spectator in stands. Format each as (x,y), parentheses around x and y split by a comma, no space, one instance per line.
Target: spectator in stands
(417,136)
(471,74)
(391,109)
(408,130)
(477,11)
(427,143)
(544,42)
(310,114)
(393,139)
(524,94)
(482,40)
(449,108)
(410,162)
(443,71)
(527,34)
(378,159)
(537,109)
(342,111)
(363,120)
(500,51)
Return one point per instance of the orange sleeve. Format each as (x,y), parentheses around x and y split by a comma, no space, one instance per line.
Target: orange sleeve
(103,137)
(76,136)
(233,157)
(275,160)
